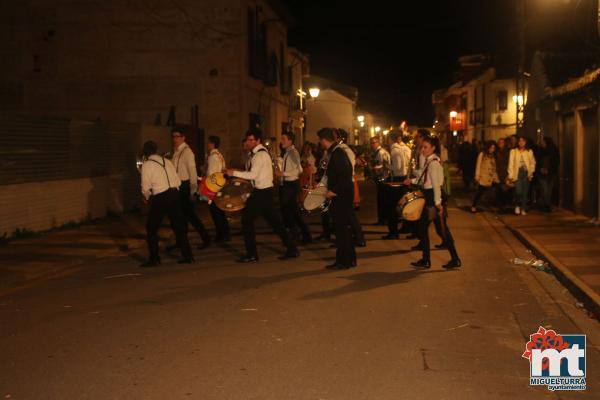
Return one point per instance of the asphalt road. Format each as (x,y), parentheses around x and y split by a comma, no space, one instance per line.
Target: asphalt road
(293,330)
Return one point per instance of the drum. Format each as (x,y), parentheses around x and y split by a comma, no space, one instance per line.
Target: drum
(211,185)
(411,205)
(234,195)
(316,199)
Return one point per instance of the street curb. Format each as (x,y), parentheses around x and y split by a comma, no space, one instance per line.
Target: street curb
(576,286)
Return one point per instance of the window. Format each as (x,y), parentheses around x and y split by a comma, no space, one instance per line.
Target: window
(501,100)
(257,58)
(472,117)
(255,121)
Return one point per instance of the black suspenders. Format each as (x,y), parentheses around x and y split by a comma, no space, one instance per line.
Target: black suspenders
(165,168)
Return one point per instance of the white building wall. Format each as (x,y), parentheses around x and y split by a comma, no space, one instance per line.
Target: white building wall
(329,110)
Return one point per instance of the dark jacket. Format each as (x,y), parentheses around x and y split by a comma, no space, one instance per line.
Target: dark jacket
(502,157)
(339,175)
(549,161)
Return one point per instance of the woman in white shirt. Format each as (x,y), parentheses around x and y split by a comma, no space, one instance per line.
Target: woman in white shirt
(431,182)
(521,166)
(486,175)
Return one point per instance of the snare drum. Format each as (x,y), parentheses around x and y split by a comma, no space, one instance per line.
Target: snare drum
(211,185)
(316,199)
(411,205)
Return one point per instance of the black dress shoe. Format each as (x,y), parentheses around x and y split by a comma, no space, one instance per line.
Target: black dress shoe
(150,263)
(332,246)
(248,259)
(453,264)
(390,236)
(337,266)
(421,264)
(360,244)
(441,246)
(412,236)
(417,248)
(289,255)
(189,260)
(323,238)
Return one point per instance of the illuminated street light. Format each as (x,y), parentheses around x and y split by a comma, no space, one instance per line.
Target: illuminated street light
(518,99)
(314,92)
(454,133)
(362,124)
(453,114)
(361,118)
(377,129)
(386,132)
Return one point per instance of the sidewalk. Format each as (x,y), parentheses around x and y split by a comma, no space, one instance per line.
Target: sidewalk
(569,244)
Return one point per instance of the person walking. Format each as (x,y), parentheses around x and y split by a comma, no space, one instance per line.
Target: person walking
(521,166)
(400,161)
(160,187)
(290,187)
(503,190)
(185,165)
(486,174)
(341,193)
(548,170)
(431,181)
(381,162)
(259,170)
(215,162)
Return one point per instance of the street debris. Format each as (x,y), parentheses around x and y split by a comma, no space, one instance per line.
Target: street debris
(458,327)
(67,306)
(538,264)
(121,276)
(249,309)
(579,305)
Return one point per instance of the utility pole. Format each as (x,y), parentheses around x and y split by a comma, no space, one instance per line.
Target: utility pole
(520,80)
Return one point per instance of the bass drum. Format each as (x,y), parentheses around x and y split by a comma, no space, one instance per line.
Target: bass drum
(234,195)
(211,185)
(411,205)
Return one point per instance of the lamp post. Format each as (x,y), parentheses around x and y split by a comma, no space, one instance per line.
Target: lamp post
(314,92)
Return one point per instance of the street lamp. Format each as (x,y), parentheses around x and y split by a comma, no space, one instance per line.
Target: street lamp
(377,129)
(453,114)
(361,118)
(314,92)
(386,132)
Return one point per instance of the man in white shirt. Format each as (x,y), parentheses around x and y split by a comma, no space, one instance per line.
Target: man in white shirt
(400,161)
(290,186)
(159,187)
(185,165)
(259,170)
(215,162)
(382,162)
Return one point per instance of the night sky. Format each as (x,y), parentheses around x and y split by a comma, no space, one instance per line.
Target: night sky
(396,55)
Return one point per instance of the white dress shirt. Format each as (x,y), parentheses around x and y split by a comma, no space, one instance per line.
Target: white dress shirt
(259,169)
(292,166)
(382,157)
(215,162)
(434,178)
(349,153)
(158,175)
(400,159)
(185,165)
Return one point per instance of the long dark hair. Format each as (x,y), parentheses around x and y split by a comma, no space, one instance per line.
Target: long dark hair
(487,146)
(434,141)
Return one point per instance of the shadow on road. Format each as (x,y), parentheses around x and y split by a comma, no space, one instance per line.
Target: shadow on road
(369,281)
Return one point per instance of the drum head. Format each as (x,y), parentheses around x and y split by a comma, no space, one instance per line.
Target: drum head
(234,195)
(315,198)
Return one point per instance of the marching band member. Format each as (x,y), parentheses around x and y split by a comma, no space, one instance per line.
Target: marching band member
(382,161)
(290,186)
(431,180)
(341,193)
(341,137)
(185,165)
(215,162)
(400,162)
(259,170)
(160,185)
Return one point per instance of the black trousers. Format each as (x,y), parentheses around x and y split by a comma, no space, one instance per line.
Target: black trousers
(220,220)
(189,211)
(326,224)
(359,236)
(382,203)
(290,209)
(261,203)
(394,194)
(341,210)
(441,227)
(166,203)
